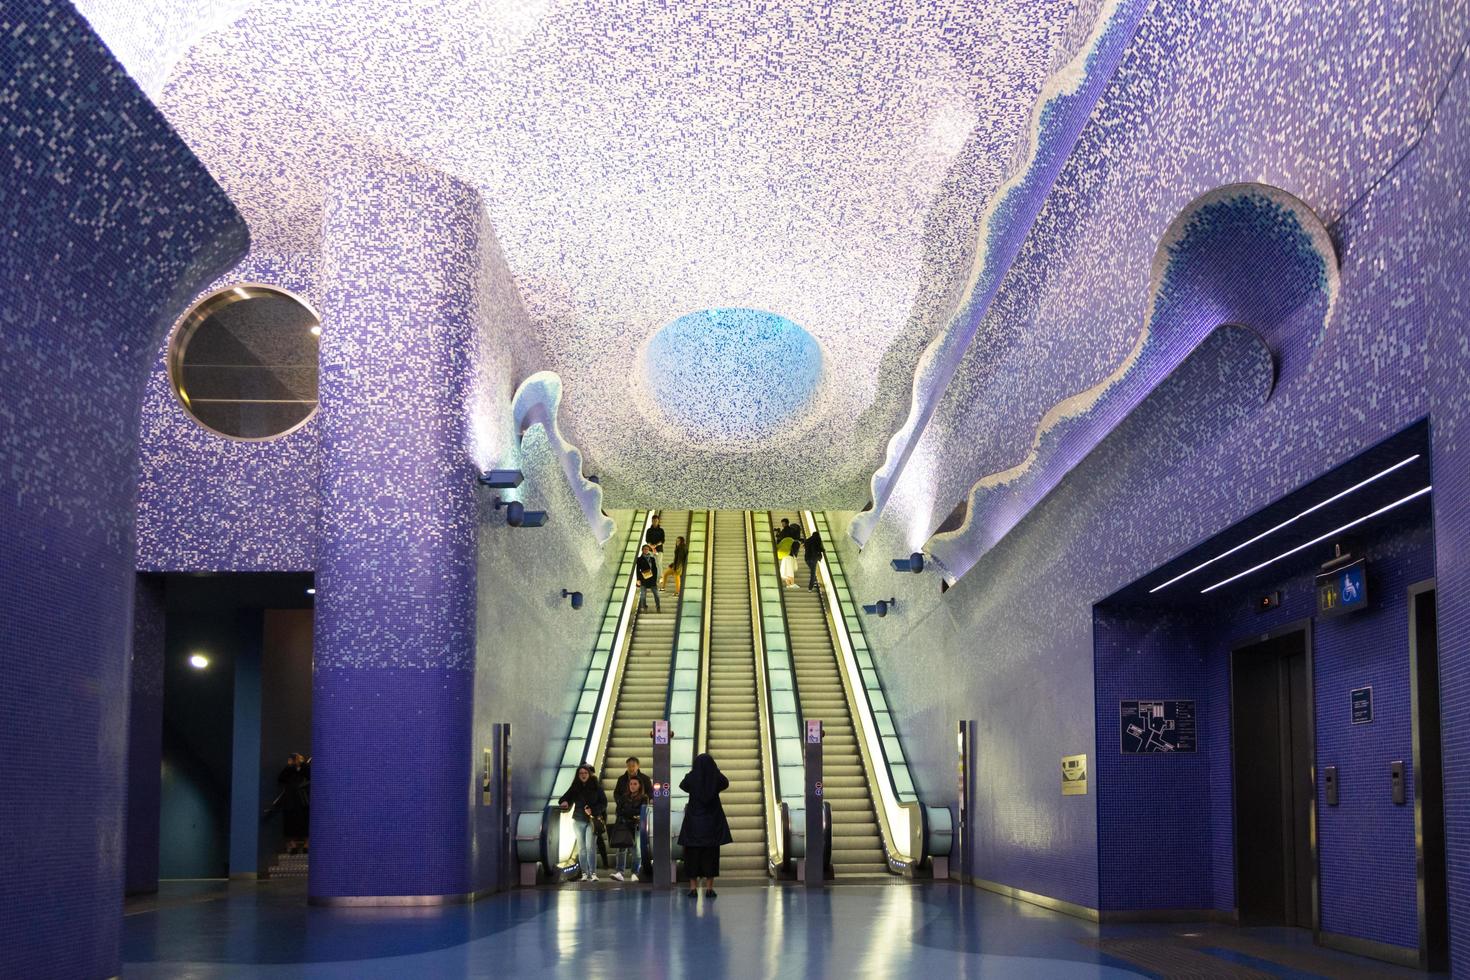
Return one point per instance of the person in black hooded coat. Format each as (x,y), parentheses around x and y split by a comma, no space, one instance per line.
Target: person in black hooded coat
(705,828)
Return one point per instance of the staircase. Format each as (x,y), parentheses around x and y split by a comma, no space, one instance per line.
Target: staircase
(289,866)
(734,726)
(644,688)
(857,847)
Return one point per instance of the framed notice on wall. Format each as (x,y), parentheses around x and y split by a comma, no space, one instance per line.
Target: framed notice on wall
(1074,775)
(1161,725)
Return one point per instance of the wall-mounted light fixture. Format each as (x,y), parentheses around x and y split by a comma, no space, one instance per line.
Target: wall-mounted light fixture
(516,514)
(311,590)
(913,563)
(576,598)
(502,479)
(881,608)
(198,661)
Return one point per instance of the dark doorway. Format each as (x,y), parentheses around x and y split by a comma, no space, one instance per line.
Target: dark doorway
(1434,931)
(1271,723)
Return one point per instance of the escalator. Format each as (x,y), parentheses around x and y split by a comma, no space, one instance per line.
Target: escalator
(732,731)
(643,688)
(857,845)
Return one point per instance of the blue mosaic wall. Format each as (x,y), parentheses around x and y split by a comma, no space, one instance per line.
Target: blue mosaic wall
(145,736)
(1175,811)
(395,643)
(208,503)
(108,224)
(1012,642)
(1154,828)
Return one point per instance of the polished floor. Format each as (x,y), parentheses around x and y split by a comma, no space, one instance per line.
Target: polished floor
(882,929)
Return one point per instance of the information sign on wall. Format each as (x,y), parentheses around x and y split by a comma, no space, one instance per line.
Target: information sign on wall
(1362,699)
(1074,775)
(1164,725)
(1343,590)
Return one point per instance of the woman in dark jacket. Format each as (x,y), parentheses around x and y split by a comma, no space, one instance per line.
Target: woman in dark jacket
(624,834)
(295,802)
(705,828)
(587,801)
(814,554)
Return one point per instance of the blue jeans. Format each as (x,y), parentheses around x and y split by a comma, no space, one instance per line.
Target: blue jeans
(644,591)
(631,856)
(586,846)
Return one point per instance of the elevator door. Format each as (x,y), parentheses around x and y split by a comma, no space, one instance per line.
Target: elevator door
(1271,725)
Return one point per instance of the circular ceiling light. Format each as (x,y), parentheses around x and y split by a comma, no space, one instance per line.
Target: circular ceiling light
(732,374)
(198,661)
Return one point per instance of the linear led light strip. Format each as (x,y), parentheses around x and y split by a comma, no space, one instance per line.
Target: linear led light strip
(1288,521)
(1318,540)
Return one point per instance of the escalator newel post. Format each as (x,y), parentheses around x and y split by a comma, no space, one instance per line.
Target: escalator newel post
(811,868)
(663,864)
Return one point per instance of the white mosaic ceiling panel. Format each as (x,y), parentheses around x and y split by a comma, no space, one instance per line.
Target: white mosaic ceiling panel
(643,161)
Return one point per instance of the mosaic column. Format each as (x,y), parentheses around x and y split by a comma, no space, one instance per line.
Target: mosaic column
(393,687)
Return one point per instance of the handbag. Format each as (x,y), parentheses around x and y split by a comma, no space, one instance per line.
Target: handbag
(620,835)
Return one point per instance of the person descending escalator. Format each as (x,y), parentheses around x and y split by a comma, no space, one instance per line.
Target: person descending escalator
(676,566)
(645,574)
(655,535)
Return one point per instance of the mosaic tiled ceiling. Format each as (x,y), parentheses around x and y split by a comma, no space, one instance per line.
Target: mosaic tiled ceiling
(641,162)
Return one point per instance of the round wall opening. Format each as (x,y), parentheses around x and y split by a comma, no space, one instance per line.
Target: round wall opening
(732,374)
(243,362)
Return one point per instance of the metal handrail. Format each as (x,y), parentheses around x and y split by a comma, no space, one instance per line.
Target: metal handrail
(602,719)
(775,845)
(701,728)
(612,674)
(767,565)
(891,810)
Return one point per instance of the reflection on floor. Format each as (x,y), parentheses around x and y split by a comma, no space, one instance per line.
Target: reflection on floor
(873,929)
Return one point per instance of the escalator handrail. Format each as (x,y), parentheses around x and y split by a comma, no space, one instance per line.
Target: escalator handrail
(680,738)
(895,815)
(617,655)
(775,843)
(701,713)
(772,565)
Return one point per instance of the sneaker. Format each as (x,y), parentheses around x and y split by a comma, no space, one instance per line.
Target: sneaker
(634,878)
(592,877)
(617,876)
(586,876)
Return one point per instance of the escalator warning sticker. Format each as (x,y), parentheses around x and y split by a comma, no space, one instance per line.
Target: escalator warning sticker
(819,788)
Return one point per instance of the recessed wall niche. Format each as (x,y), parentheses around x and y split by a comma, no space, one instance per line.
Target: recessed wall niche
(243,362)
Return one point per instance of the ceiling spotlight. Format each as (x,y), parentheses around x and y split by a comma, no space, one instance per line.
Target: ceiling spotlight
(311,590)
(198,661)
(316,330)
(913,563)
(881,607)
(576,598)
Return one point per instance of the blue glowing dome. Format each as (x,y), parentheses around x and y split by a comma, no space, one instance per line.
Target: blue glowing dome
(732,374)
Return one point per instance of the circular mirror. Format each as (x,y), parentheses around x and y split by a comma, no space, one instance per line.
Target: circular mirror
(243,362)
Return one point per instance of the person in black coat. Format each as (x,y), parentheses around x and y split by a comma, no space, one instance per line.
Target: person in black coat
(588,804)
(655,535)
(645,579)
(624,833)
(705,828)
(814,555)
(295,802)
